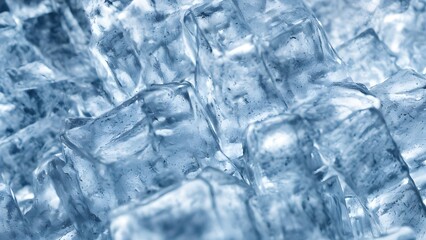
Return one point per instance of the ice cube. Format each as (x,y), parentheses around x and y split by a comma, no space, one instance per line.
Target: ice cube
(148,143)
(287,58)
(363,14)
(157,31)
(369,60)
(362,150)
(20,152)
(121,57)
(162,117)
(47,215)
(302,61)
(62,47)
(212,206)
(12,224)
(74,187)
(281,169)
(403,104)
(334,200)
(404,33)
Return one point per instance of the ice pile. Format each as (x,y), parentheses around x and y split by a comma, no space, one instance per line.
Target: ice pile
(223,119)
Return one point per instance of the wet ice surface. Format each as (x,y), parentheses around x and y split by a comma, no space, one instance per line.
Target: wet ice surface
(178,119)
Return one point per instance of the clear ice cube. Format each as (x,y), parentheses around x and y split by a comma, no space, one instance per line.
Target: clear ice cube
(137,149)
(12,224)
(366,156)
(403,106)
(369,60)
(212,206)
(224,119)
(285,64)
(281,168)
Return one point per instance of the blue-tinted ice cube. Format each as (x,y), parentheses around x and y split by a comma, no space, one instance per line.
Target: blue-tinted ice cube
(235,85)
(163,118)
(28,9)
(217,26)
(362,150)
(157,32)
(47,215)
(16,51)
(403,106)
(302,61)
(363,14)
(63,48)
(82,188)
(278,153)
(12,224)
(21,152)
(148,143)
(241,44)
(119,53)
(239,91)
(404,33)
(281,168)
(369,60)
(212,206)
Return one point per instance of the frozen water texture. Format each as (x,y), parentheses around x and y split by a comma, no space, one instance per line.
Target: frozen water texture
(369,61)
(278,51)
(223,119)
(403,105)
(12,225)
(399,23)
(281,168)
(149,142)
(212,206)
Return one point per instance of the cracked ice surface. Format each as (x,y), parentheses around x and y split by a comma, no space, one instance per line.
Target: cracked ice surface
(223,119)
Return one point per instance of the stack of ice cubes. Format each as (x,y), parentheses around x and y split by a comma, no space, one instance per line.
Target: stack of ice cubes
(212,119)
